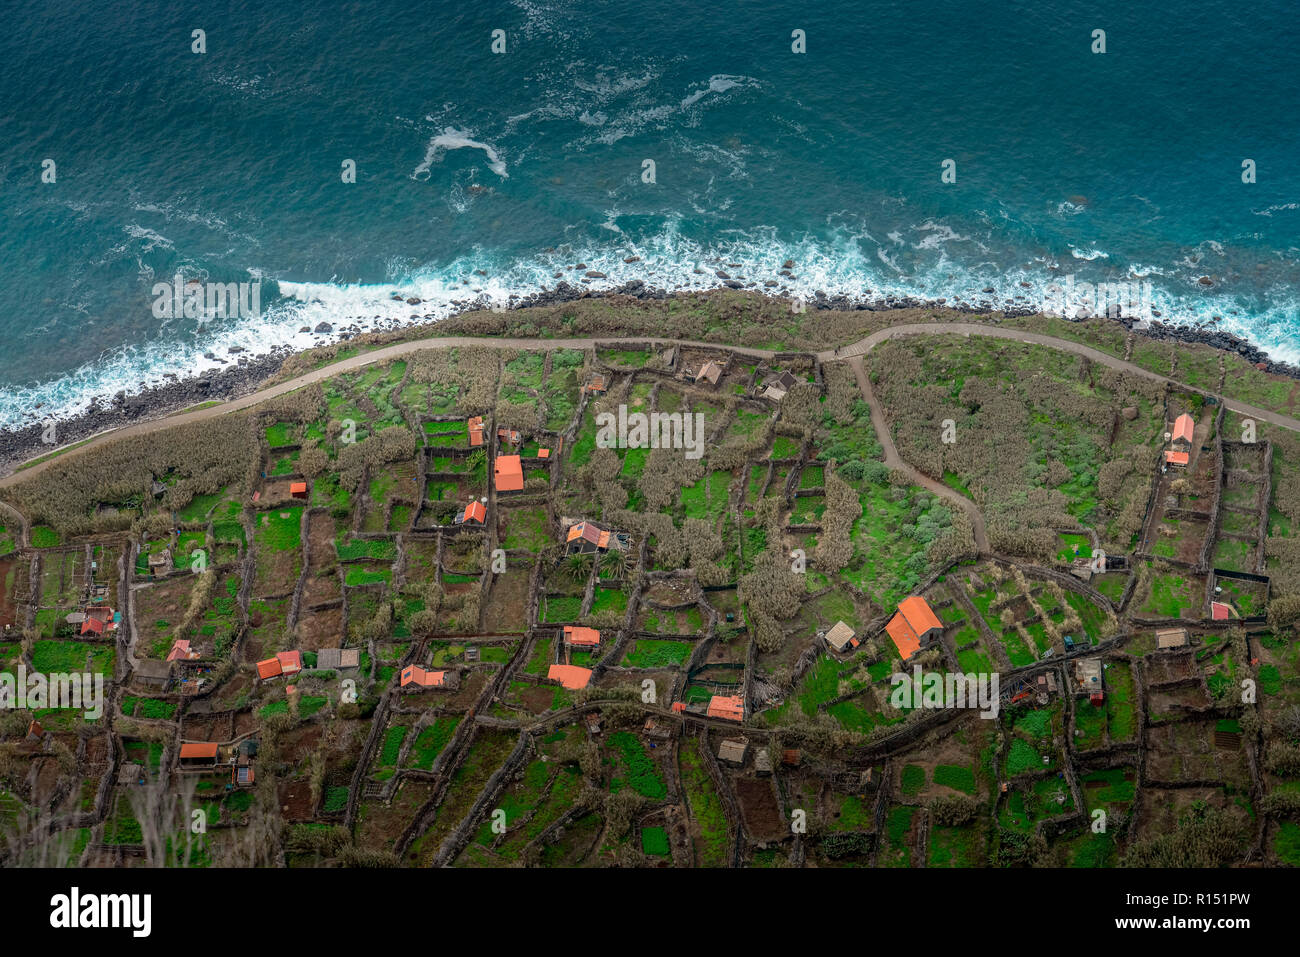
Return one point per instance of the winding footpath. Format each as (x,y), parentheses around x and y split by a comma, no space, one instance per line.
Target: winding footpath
(852,353)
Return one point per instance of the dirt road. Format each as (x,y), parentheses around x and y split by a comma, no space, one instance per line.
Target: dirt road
(398,350)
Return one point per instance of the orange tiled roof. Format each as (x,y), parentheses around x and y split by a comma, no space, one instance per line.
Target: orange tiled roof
(570,676)
(475,430)
(92,626)
(730,707)
(543,453)
(917,611)
(296,487)
(290,661)
(1219,611)
(578,635)
(1177,458)
(474,512)
(905,640)
(414,674)
(181,650)
(270,668)
(1183,428)
(509,473)
(199,749)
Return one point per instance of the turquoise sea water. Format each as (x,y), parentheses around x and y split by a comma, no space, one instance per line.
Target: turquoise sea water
(226,166)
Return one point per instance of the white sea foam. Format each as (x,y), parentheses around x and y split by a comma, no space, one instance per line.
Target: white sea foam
(848,263)
(453,139)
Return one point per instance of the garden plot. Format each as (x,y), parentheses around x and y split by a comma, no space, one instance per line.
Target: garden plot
(486,753)
(1185,752)
(380,824)
(1162,810)
(1179,539)
(277,538)
(506,604)
(1029,802)
(543,794)
(524,527)
(159,609)
(1246,598)
(1035,739)
(1170,594)
(63,577)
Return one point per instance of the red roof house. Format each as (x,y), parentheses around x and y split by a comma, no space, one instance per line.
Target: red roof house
(509,473)
(415,675)
(92,626)
(570,676)
(270,668)
(290,661)
(475,431)
(473,512)
(914,625)
(1176,458)
(731,707)
(181,651)
(1184,426)
(199,751)
(1219,611)
(298,489)
(582,637)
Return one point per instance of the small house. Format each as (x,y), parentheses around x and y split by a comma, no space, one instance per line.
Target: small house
(1087,677)
(1221,612)
(197,755)
(579,637)
(776,386)
(509,473)
(570,676)
(475,513)
(1181,434)
(269,668)
(416,677)
(156,674)
(338,659)
(732,750)
(509,435)
(474,427)
(710,372)
(181,651)
(841,638)
(728,707)
(290,661)
(298,489)
(914,627)
(584,538)
(1171,637)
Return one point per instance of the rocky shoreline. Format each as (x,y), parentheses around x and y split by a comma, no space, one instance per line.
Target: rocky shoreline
(250,372)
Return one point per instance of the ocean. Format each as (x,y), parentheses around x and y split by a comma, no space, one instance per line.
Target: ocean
(227,166)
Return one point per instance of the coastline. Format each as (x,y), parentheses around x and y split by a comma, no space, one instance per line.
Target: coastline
(250,373)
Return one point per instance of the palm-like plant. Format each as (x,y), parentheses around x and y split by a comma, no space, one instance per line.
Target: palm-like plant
(578,567)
